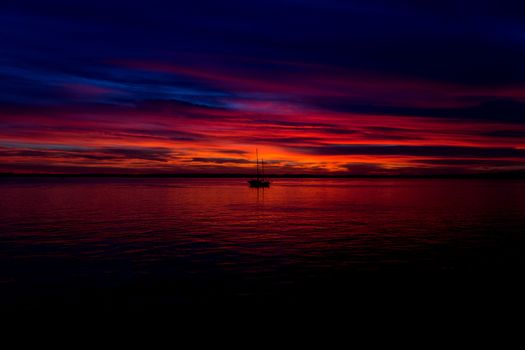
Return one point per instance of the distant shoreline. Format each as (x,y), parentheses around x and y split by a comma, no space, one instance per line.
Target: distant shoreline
(509,175)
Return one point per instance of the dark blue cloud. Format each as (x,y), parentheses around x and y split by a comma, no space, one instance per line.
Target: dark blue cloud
(498,109)
(474,42)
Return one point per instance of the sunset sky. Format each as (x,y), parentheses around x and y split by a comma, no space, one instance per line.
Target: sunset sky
(319,86)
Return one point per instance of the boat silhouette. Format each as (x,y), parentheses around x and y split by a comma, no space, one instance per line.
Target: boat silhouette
(260,180)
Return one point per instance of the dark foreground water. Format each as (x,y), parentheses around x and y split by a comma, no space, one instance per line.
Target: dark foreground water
(140,243)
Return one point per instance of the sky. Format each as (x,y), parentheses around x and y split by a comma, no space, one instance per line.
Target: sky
(318,87)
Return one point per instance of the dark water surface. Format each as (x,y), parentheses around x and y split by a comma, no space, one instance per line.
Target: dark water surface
(142,242)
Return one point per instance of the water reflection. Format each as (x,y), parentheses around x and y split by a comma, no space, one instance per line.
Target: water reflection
(106,232)
(260,194)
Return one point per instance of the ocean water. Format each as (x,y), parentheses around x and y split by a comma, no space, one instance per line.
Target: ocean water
(137,242)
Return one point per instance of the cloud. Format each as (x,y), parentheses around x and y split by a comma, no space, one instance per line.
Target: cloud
(155,154)
(233,151)
(437,151)
(221,160)
(502,110)
(519,134)
(471,162)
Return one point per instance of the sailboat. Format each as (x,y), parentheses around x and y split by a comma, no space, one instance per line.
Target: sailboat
(260,181)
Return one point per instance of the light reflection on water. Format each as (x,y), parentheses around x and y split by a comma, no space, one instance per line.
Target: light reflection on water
(110,231)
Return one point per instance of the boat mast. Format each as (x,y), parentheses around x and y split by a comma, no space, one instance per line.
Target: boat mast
(257,154)
(262,163)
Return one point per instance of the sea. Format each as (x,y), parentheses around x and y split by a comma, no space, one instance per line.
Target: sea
(140,243)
